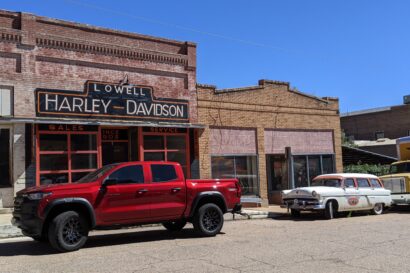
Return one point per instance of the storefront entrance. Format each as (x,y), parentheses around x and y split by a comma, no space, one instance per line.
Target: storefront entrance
(5,165)
(114,144)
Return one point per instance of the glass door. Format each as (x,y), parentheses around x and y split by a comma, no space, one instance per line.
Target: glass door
(114,142)
(5,172)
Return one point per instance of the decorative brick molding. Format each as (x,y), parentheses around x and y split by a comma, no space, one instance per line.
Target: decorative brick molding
(10,36)
(116,51)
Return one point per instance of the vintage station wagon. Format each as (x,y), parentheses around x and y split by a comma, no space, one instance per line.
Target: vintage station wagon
(334,193)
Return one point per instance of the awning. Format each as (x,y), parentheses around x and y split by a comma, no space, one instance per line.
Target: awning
(98,122)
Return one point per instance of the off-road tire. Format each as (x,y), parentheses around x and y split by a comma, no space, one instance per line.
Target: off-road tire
(295,213)
(174,225)
(208,220)
(377,209)
(330,210)
(68,231)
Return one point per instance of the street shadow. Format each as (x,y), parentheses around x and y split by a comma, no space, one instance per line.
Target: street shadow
(307,216)
(33,248)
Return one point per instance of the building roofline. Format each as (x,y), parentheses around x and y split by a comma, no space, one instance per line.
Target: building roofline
(367,111)
(104,30)
(261,85)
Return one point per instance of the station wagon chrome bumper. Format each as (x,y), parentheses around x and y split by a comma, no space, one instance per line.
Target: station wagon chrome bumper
(302,204)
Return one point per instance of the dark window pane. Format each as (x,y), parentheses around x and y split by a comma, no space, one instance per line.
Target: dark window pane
(157,156)
(83,142)
(363,183)
(114,152)
(5,157)
(53,142)
(327,161)
(129,174)
(53,162)
(223,167)
(246,173)
(153,142)
(46,179)
(83,161)
(349,183)
(77,176)
(177,157)
(300,171)
(314,167)
(176,142)
(163,173)
(375,183)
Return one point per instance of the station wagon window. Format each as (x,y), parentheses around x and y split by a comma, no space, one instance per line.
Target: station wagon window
(326,183)
(349,183)
(363,183)
(163,173)
(129,175)
(375,183)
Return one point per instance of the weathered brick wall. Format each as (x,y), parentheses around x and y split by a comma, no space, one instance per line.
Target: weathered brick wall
(270,105)
(39,52)
(394,122)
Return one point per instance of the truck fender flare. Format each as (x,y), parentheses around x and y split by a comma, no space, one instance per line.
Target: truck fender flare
(72,200)
(213,194)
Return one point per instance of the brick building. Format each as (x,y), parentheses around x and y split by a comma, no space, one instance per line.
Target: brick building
(372,124)
(75,97)
(269,136)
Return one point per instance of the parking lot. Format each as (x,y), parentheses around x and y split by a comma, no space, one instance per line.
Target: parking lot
(358,243)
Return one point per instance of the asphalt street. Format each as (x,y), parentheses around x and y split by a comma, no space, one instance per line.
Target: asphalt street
(310,244)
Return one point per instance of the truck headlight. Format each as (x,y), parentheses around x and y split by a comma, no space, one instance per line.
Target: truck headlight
(38,195)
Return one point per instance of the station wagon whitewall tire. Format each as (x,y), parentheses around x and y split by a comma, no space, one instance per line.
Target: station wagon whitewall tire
(330,209)
(377,209)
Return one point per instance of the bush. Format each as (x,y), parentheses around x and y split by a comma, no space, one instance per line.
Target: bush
(375,169)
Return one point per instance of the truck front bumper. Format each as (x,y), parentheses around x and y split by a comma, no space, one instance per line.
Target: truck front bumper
(25,217)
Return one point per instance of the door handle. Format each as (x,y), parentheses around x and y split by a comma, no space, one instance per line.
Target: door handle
(142,191)
(175,190)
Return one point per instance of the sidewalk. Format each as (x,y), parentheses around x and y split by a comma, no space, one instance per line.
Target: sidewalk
(7,230)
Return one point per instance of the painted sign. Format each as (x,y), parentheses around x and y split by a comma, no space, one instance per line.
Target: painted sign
(107,100)
(67,127)
(353,201)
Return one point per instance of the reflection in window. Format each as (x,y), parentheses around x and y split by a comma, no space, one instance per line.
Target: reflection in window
(300,171)
(244,168)
(306,168)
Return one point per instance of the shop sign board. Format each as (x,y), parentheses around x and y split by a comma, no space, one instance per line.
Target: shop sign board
(108,100)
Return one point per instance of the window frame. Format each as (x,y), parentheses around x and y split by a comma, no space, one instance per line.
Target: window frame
(354,183)
(292,179)
(234,168)
(377,181)
(128,166)
(177,178)
(365,179)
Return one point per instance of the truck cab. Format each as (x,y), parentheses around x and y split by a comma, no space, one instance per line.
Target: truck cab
(398,179)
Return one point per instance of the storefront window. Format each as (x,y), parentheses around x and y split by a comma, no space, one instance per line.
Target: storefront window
(306,168)
(244,168)
(300,171)
(167,147)
(277,172)
(66,156)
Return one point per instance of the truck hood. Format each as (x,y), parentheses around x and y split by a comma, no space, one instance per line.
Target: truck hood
(55,187)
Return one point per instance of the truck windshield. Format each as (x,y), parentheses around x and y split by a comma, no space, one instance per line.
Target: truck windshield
(400,168)
(326,183)
(96,174)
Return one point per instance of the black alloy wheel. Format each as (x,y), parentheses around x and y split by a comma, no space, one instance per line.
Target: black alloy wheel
(208,220)
(68,231)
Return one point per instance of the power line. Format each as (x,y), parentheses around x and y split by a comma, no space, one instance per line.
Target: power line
(166,24)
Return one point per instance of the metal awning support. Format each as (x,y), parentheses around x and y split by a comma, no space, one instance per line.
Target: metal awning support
(98,122)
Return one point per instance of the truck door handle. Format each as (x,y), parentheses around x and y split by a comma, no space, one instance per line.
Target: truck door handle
(142,191)
(175,190)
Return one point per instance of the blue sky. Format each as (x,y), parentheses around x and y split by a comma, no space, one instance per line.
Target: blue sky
(357,50)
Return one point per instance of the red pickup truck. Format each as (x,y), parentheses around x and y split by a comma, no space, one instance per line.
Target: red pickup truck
(122,194)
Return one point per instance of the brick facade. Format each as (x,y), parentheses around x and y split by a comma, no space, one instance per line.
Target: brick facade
(38,52)
(393,121)
(270,105)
